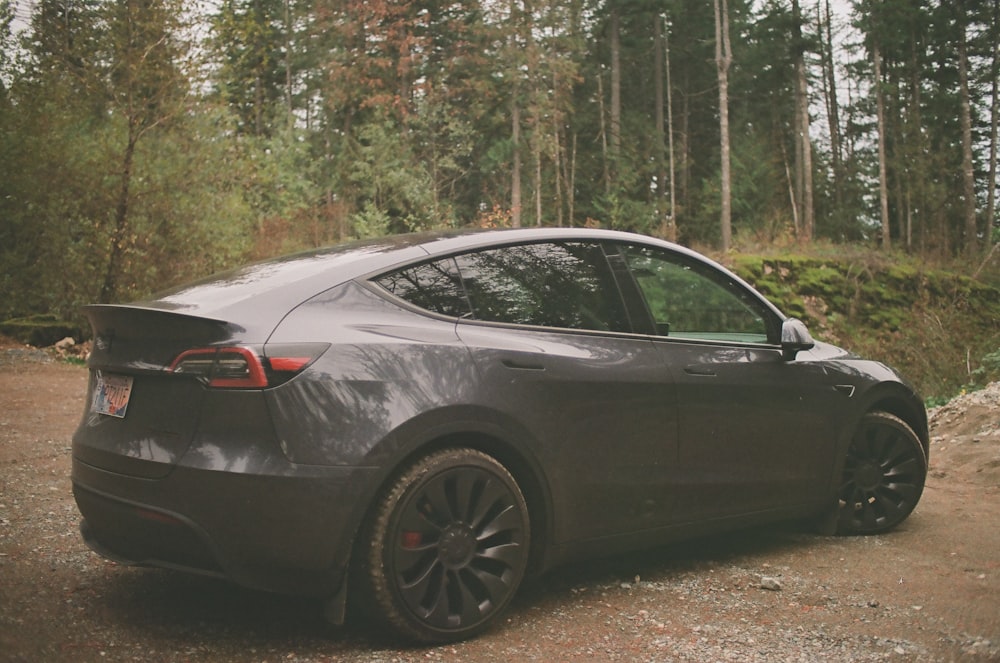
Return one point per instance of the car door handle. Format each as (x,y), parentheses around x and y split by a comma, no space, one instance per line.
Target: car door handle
(522,366)
(703,371)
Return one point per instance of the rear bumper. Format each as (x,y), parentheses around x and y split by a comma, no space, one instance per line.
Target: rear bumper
(290,531)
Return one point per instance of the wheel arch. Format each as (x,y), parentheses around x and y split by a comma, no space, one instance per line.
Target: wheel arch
(886,479)
(893,397)
(899,400)
(485,432)
(525,470)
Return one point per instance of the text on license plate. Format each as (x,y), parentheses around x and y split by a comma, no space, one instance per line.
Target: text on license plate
(111,394)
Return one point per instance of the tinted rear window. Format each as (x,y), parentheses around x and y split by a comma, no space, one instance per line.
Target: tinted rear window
(563,284)
(567,285)
(434,286)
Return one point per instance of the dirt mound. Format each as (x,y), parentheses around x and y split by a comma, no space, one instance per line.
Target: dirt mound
(13,352)
(965,437)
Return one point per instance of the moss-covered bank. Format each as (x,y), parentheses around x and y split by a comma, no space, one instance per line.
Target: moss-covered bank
(939,328)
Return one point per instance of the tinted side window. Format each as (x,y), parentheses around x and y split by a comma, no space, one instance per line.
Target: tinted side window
(566,285)
(687,303)
(434,286)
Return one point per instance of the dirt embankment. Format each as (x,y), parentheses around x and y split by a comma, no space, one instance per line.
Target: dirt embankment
(929,591)
(966,437)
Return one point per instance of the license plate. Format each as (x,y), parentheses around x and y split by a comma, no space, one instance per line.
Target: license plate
(111,394)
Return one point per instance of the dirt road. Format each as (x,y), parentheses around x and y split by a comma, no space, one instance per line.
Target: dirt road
(929,591)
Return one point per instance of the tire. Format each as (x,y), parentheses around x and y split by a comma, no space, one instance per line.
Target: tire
(447,547)
(883,476)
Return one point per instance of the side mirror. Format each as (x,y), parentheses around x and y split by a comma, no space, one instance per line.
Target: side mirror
(794,338)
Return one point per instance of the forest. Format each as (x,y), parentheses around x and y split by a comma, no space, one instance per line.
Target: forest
(148,142)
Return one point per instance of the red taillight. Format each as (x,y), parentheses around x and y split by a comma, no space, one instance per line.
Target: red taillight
(229,367)
(289,364)
(283,361)
(238,367)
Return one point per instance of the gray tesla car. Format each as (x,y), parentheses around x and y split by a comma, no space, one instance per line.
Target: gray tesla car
(409,426)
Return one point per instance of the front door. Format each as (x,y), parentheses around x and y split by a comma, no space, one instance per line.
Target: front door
(753,433)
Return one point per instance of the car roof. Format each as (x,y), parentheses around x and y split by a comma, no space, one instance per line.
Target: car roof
(258,295)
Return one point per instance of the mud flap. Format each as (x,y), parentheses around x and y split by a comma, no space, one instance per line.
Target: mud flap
(335,607)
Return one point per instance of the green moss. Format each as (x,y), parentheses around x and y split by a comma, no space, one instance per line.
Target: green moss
(933,325)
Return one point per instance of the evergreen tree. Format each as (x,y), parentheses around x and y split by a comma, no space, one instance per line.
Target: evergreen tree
(250,37)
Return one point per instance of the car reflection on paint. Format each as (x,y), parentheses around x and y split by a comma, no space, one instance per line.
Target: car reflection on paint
(409,426)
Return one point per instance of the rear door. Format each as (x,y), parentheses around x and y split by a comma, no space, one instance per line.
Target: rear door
(555,349)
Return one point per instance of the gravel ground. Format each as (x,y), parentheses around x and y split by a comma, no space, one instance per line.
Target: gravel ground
(929,591)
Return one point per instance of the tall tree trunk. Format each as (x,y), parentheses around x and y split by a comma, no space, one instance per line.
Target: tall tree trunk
(536,154)
(672,228)
(515,174)
(119,235)
(684,131)
(909,221)
(515,133)
(832,107)
(968,174)
(723,59)
(664,134)
(915,183)
(793,199)
(571,183)
(536,111)
(557,165)
(883,184)
(991,196)
(605,156)
(803,144)
(661,157)
(616,92)
(900,195)
(288,66)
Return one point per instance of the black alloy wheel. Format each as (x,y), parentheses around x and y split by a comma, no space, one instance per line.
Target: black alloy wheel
(883,477)
(448,546)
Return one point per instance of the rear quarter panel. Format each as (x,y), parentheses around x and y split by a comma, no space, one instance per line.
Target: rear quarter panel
(385,366)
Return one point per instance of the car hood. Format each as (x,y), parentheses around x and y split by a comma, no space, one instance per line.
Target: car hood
(825,351)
